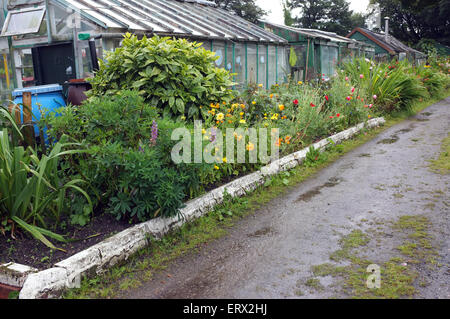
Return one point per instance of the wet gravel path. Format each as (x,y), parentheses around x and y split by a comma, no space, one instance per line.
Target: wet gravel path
(270,254)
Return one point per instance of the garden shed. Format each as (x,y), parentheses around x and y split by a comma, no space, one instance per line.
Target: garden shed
(52,41)
(387,46)
(318,52)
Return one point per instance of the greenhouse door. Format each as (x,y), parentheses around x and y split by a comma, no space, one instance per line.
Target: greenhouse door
(54,63)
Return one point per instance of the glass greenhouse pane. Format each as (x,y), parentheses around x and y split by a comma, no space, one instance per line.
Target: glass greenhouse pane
(219,49)
(23,22)
(229,60)
(251,63)
(272,66)
(239,63)
(283,68)
(329,59)
(262,64)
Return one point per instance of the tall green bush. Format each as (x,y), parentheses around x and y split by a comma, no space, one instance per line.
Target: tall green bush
(174,75)
(128,161)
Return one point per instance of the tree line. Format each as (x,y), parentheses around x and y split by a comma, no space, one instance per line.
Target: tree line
(413,21)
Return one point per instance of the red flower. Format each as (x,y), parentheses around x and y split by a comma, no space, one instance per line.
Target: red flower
(312,105)
(295,102)
(331,117)
(339,114)
(326,97)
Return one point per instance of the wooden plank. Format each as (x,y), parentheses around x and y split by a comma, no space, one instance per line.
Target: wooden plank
(27,119)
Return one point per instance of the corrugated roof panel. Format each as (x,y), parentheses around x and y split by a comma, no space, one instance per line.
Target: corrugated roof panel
(109,23)
(178,17)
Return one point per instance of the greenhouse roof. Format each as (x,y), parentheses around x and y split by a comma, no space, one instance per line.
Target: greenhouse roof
(314,33)
(392,45)
(189,18)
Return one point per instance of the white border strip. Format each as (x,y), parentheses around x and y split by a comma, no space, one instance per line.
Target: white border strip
(52,282)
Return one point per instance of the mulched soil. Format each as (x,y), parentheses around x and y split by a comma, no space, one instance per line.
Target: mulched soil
(28,251)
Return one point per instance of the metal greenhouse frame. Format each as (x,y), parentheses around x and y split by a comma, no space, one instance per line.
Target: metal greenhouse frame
(255,54)
(319,53)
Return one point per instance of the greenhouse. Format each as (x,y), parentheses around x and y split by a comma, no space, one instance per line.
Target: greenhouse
(54,41)
(318,52)
(387,46)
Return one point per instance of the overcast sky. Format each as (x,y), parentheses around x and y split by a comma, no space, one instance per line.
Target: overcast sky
(276,9)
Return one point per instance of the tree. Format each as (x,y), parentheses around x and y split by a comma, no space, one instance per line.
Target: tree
(288,19)
(328,15)
(246,9)
(412,21)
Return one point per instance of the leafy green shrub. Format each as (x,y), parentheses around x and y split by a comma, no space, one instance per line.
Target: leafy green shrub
(393,86)
(174,75)
(128,161)
(31,190)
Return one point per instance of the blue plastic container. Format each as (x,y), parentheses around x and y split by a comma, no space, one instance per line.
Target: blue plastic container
(47,98)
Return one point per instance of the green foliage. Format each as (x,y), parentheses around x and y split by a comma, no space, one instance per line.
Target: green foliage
(31,190)
(175,76)
(395,86)
(128,161)
(333,16)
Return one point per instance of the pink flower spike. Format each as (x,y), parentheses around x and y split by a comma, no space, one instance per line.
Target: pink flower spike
(370,106)
(346,78)
(348,98)
(361,76)
(353,90)
(374,97)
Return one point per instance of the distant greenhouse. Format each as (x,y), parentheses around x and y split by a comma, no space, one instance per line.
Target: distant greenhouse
(52,41)
(318,52)
(387,46)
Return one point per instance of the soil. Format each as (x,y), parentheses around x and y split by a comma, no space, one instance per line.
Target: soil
(28,251)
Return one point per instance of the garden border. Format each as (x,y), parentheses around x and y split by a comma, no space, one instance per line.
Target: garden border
(50,283)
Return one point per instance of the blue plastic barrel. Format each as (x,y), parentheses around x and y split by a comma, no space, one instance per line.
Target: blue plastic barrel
(46,98)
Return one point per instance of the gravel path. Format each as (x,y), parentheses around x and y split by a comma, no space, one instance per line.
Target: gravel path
(270,254)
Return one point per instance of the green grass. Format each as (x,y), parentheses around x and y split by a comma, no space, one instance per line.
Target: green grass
(397,279)
(441,165)
(192,236)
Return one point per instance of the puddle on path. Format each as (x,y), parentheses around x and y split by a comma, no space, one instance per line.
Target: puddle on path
(364,155)
(391,140)
(316,191)
(261,232)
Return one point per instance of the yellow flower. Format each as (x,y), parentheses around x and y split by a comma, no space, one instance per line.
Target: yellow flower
(216,167)
(281,107)
(203,131)
(250,147)
(260,85)
(271,95)
(300,82)
(224,159)
(224,103)
(254,102)
(243,106)
(275,116)
(183,118)
(242,121)
(239,137)
(220,116)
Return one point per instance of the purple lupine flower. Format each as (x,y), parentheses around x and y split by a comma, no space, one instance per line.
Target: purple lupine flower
(154,133)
